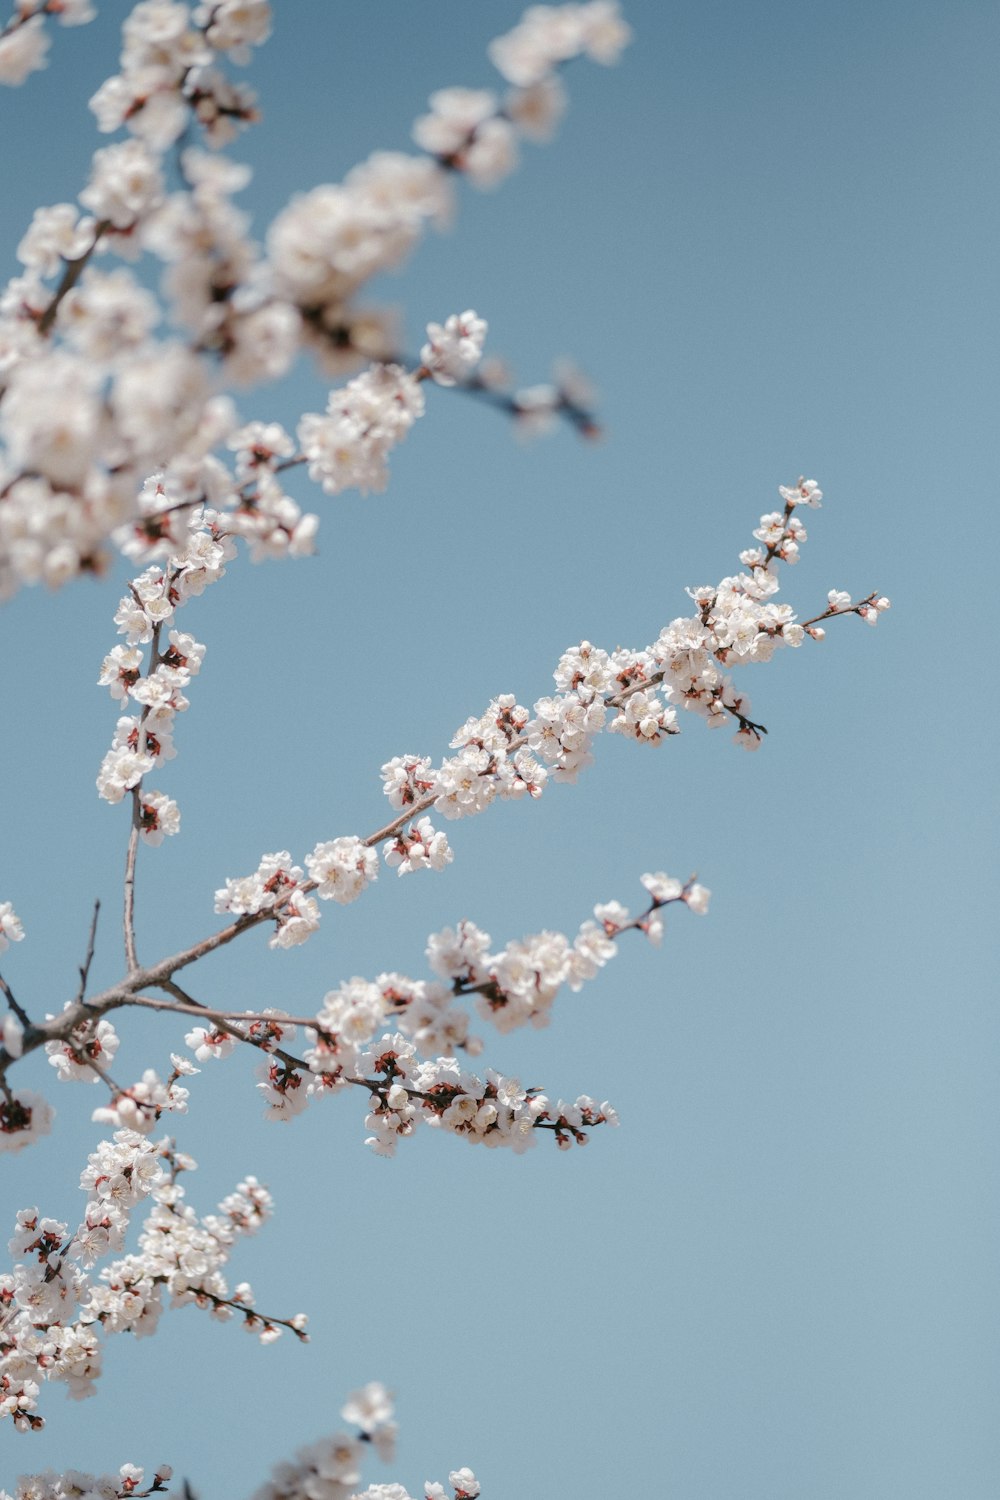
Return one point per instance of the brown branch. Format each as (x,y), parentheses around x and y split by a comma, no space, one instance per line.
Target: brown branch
(250,1314)
(185,1004)
(115,1089)
(851,609)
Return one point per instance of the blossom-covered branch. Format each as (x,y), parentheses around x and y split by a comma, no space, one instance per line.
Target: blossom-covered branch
(24,41)
(506,753)
(115,427)
(53,1313)
(346,1043)
(107,430)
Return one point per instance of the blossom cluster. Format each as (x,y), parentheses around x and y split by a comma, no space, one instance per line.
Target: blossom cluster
(169,71)
(82,1056)
(549,36)
(92,400)
(474,132)
(24,41)
(110,427)
(348,446)
(511,752)
(73,1484)
(144,740)
(53,1313)
(327,243)
(338,870)
(331,1468)
(24,1115)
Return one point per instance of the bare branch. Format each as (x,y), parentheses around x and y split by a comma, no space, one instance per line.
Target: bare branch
(19,1011)
(89,957)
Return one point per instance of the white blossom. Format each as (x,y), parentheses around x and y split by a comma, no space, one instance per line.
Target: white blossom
(23,1118)
(348,448)
(23,51)
(342,868)
(453,350)
(11,930)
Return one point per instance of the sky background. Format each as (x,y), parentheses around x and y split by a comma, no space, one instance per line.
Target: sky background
(768,236)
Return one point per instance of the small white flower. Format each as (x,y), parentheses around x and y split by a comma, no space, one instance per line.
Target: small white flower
(11,930)
(342,868)
(662,887)
(453,351)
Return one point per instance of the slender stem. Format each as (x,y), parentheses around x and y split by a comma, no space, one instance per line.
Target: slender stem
(19,1010)
(131,958)
(114,1088)
(185,1004)
(89,958)
(252,1316)
(852,609)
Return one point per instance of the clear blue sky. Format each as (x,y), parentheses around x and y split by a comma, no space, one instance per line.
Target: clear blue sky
(769,237)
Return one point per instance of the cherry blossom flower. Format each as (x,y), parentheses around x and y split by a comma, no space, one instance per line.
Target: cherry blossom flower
(454,350)
(11,930)
(342,868)
(23,1118)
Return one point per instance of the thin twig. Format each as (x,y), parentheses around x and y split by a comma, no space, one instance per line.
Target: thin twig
(88,959)
(115,1089)
(19,1010)
(186,1004)
(131,958)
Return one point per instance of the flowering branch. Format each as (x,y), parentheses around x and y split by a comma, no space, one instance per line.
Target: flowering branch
(49,1294)
(501,753)
(24,41)
(511,989)
(108,432)
(92,403)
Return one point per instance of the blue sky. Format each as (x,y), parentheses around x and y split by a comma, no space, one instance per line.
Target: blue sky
(766,235)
